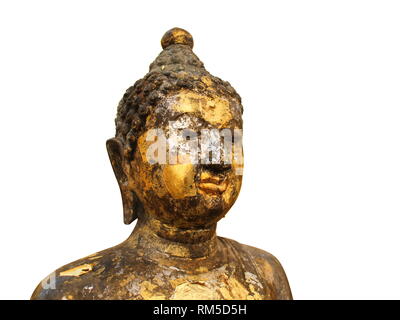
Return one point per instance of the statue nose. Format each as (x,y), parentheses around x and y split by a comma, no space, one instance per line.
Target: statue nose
(217,168)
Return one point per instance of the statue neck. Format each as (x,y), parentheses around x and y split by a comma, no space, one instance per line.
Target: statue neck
(155,238)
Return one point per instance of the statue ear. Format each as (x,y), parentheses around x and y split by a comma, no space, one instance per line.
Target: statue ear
(130,202)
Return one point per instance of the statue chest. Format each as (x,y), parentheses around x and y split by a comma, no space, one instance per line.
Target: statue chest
(219,284)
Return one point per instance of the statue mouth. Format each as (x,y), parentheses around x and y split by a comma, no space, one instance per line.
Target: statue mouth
(212,185)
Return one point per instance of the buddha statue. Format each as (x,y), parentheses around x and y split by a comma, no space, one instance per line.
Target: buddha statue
(178,181)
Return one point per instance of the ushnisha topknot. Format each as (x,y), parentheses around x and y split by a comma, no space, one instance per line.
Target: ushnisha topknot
(176,68)
(177,36)
(178,55)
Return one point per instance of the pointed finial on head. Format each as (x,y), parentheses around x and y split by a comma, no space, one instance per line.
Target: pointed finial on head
(177,36)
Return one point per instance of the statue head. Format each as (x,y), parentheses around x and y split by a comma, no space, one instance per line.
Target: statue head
(177,152)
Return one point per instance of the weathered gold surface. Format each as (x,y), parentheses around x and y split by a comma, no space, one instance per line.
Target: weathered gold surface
(173,251)
(213,108)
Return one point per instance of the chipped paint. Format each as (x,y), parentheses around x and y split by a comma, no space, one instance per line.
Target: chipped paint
(77,271)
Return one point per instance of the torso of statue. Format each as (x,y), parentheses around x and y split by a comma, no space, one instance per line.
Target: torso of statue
(234,272)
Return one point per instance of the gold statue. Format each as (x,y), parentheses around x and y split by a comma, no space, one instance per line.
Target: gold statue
(177,197)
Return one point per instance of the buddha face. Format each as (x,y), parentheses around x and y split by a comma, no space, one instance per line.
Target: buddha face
(186,168)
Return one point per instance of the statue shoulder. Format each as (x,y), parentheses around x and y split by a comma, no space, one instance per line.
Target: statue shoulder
(272,271)
(78,279)
(269,268)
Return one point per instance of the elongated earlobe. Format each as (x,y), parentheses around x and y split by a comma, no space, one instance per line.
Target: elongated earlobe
(130,202)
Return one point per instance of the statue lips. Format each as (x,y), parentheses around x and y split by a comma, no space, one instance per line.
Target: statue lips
(212,185)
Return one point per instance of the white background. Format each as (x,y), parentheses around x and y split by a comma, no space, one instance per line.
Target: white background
(320,86)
